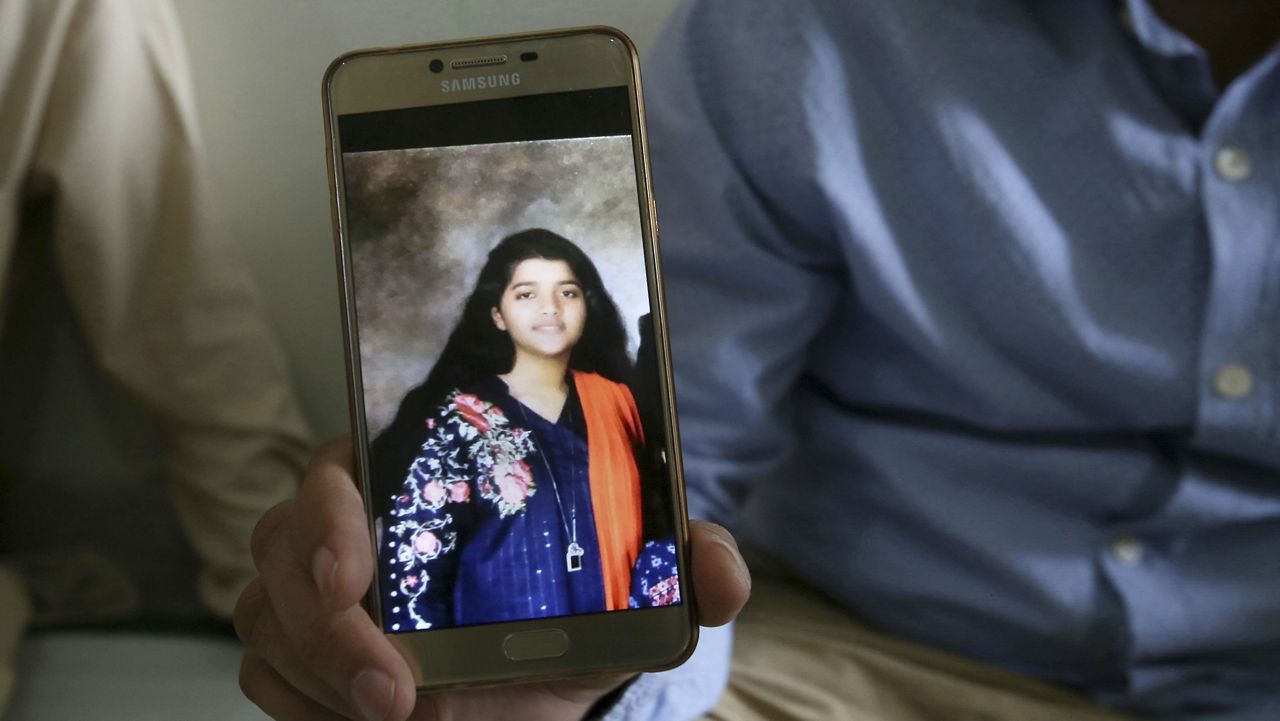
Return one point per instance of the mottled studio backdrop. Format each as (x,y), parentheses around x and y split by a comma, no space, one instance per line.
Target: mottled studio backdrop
(421,222)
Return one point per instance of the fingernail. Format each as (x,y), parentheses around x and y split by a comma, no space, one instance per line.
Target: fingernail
(729,548)
(373,693)
(324,568)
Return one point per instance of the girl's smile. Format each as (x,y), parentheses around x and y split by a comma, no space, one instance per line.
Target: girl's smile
(542,309)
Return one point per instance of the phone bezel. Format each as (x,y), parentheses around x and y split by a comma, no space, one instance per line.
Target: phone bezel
(618,641)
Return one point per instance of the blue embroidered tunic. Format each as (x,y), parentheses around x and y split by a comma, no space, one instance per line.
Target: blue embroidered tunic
(481,528)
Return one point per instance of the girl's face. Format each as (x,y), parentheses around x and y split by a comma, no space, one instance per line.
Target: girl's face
(542,308)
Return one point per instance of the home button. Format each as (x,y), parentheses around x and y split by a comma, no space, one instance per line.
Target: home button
(530,645)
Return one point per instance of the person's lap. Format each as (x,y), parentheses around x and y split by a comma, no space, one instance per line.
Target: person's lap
(800,657)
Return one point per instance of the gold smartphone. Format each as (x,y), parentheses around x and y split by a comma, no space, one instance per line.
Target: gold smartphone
(509,372)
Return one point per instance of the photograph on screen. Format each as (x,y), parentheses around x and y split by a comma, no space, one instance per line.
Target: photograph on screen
(503,307)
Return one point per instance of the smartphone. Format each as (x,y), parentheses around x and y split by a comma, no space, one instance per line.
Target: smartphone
(506,343)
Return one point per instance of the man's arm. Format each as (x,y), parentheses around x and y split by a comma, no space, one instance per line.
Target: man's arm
(158,288)
(751,279)
(748,284)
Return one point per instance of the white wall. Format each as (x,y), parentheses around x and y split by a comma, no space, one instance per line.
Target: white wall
(257,67)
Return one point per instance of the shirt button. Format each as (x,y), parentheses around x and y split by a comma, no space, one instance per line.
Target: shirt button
(1127,550)
(1233,381)
(1232,164)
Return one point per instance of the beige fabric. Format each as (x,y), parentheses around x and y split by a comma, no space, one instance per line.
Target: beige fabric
(97,113)
(799,657)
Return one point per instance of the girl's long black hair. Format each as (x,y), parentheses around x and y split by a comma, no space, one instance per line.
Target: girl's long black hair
(478,349)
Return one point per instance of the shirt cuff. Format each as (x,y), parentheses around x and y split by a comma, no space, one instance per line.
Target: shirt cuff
(683,693)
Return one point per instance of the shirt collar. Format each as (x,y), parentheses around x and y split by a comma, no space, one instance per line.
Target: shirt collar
(1155,34)
(1177,65)
(1180,67)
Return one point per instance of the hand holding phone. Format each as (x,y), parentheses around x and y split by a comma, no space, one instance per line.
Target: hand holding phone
(313,651)
(515,442)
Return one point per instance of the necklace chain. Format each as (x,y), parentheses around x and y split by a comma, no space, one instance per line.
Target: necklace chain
(572,534)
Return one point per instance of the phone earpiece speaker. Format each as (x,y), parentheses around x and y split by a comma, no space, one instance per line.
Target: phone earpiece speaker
(478,62)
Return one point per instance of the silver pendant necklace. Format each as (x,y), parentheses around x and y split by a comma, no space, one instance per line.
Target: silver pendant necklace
(573,556)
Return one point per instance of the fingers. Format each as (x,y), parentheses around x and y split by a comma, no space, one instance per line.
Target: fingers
(257,626)
(303,620)
(275,696)
(329,533)
(266,528)
(314,653)
(585,691)
(721,580)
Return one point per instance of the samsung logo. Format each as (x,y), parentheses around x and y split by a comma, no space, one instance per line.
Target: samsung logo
(480,82)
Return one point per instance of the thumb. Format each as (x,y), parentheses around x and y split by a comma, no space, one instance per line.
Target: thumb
(721,581)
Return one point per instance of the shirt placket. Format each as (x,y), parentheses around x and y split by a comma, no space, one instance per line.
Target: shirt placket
(1236,390)
(1238,355)
(1238,358)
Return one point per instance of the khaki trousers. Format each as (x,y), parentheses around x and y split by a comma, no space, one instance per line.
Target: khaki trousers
(799,657)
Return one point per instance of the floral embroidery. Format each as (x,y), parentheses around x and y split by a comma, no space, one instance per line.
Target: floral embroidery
(514,483)
(469,440)
(498,451)
(474,410)
(656,581)
(433,494)
(426,545)
(459,492)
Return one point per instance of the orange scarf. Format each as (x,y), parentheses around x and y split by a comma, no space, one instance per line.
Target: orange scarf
(614,434)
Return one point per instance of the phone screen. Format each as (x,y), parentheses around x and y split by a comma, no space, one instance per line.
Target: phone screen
(511,393)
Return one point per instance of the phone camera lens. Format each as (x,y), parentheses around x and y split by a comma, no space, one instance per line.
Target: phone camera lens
(436,65)
(528,57)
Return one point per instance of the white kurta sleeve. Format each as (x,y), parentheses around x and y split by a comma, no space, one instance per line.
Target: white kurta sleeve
(158,288)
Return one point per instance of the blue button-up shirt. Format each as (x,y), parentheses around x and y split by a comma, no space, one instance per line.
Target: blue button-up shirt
(976,322)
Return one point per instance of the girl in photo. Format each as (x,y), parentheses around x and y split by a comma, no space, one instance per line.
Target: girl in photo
(514,486)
